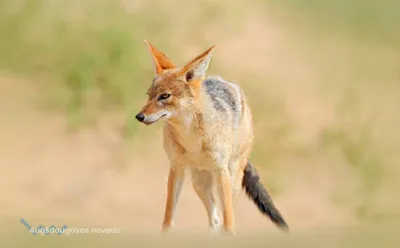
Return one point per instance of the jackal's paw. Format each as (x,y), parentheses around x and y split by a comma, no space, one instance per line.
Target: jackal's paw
(214,231)
(229,232)
(167,228)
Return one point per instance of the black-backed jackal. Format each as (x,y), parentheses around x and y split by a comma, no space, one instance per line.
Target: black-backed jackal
(208,130)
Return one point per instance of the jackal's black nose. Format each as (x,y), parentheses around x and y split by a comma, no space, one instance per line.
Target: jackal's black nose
(140,117)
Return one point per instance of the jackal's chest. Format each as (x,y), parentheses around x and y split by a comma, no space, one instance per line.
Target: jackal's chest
(186,150)
(185,135)
(190,142)
(182,141)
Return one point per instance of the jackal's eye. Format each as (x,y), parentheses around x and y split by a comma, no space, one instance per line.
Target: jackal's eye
(164,96)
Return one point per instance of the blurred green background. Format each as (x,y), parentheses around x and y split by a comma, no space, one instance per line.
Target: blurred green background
(322,78)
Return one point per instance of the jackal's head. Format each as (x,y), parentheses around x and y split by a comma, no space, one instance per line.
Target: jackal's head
(173,89)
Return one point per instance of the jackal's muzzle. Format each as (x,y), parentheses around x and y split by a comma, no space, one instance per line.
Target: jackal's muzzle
(152,118)
(140,117)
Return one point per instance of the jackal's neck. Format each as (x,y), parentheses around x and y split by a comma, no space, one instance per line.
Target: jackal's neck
(187,119)
(186,131)
(190,118)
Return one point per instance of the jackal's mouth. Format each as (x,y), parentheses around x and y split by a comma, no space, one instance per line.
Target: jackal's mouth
(152,121)
(148,123)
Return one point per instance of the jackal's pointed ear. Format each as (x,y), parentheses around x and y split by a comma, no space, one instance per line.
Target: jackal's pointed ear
(197,68)
(161,61)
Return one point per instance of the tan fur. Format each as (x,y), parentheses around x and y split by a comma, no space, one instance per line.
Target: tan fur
(174,175)
(196,138)
(161,61)
(195,60)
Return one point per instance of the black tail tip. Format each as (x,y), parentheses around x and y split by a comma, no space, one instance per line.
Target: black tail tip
(283,227)
(281,223)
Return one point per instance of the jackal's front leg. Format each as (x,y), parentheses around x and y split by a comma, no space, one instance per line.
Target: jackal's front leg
(175,180)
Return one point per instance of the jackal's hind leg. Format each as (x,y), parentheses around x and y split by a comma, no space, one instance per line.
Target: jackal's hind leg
(224,187)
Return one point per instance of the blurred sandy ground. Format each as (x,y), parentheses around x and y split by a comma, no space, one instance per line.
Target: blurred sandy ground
(326,117)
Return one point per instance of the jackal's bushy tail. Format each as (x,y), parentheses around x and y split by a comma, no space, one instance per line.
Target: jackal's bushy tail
(256,191)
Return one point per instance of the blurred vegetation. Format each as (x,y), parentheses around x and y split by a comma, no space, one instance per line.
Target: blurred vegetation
(82,55)
(360,78)
(374,20)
